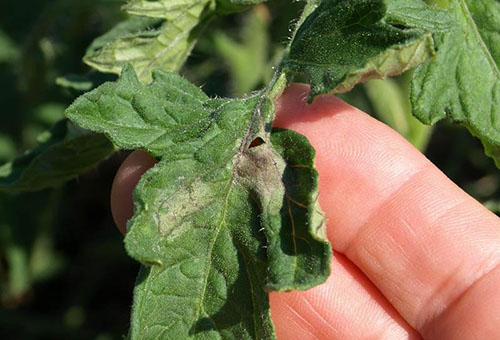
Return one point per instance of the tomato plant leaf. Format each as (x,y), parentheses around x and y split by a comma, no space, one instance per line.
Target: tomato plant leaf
(463,81)
(162,41)
(160,35)
(229,211)
(63,154)
(153,118)
(345,42)
(417,14)
(171,9)
(165,9)
(80,83)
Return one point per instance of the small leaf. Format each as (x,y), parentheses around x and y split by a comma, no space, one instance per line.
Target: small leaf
(150,43)
(221,218)
(164,9)
(83,83)
(463,81)
(66,152)
(161,35)
(344,42)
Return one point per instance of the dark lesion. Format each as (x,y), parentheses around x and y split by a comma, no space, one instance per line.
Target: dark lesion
(256,142)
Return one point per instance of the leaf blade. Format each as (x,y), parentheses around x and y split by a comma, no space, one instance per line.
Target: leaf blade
(150,43)
(67,152)
(364,46)
(463,82)
(198,221)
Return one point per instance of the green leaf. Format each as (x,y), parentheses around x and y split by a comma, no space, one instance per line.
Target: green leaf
(463,81)
(134,116)
(229,211)
(343,42)
(83,83)
(164,9)
(417,14)
(150,43)
(63,154)
(439,3)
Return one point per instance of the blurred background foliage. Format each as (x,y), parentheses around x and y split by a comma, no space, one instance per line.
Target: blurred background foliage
(63,271)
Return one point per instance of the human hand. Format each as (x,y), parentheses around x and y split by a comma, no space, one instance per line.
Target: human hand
(414,255)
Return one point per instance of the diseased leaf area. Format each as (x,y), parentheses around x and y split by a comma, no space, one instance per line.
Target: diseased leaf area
(463,81)
(63,154)
(219,220)
(344,42)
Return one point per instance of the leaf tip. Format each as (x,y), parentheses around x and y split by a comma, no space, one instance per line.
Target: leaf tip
(128,74)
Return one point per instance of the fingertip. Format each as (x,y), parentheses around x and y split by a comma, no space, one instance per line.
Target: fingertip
(292,108)
(346,306)
(127,176)
(418,237)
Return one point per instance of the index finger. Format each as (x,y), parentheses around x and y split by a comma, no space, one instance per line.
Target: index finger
(430,248)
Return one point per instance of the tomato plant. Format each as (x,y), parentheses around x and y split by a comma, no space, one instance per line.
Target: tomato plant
(220,221)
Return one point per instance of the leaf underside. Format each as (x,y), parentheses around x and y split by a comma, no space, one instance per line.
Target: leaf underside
(161,36)
(219,220)
(463,81)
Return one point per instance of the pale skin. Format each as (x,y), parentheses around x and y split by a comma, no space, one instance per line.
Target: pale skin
(414,255)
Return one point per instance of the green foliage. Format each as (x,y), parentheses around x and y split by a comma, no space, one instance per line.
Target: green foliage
(207,210)
(161,39)
(83,83)
(63,154)
(463,81)
(341,44)
(160,35)
(416,14)
(230,211)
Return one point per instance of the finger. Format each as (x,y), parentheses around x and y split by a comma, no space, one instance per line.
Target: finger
(347,306)
(420,239)
(129,173)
